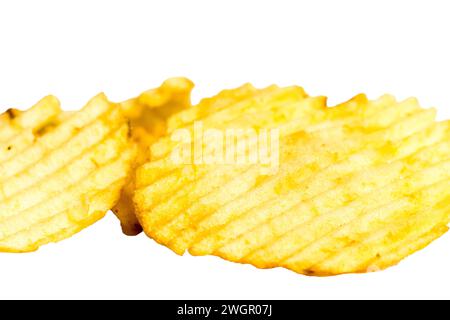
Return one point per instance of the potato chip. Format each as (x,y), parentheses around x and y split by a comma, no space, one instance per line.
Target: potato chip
(358,187)
(148,114)
(60,172)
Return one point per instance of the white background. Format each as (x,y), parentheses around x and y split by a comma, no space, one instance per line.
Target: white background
(336,48)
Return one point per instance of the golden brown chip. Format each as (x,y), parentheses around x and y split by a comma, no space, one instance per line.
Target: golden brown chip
(148,114)
(59,172)
(359,186)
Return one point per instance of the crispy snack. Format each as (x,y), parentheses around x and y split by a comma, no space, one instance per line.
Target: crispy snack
(359,187)
(148,114)
(60,172)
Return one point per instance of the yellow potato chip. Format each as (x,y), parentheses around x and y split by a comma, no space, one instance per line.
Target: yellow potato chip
(356,187)
(148,114)
(60,172)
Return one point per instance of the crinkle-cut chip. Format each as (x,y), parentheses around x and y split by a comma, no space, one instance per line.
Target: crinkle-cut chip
(359,187)
(148,114)
(65,178)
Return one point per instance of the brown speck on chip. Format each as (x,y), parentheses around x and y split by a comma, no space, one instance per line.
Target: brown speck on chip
(39,132)
(12,113)
(129,131)
(310,272)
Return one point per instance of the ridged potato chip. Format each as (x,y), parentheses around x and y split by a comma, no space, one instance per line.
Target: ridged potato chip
(358,186)
(60,172)
(148,114)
